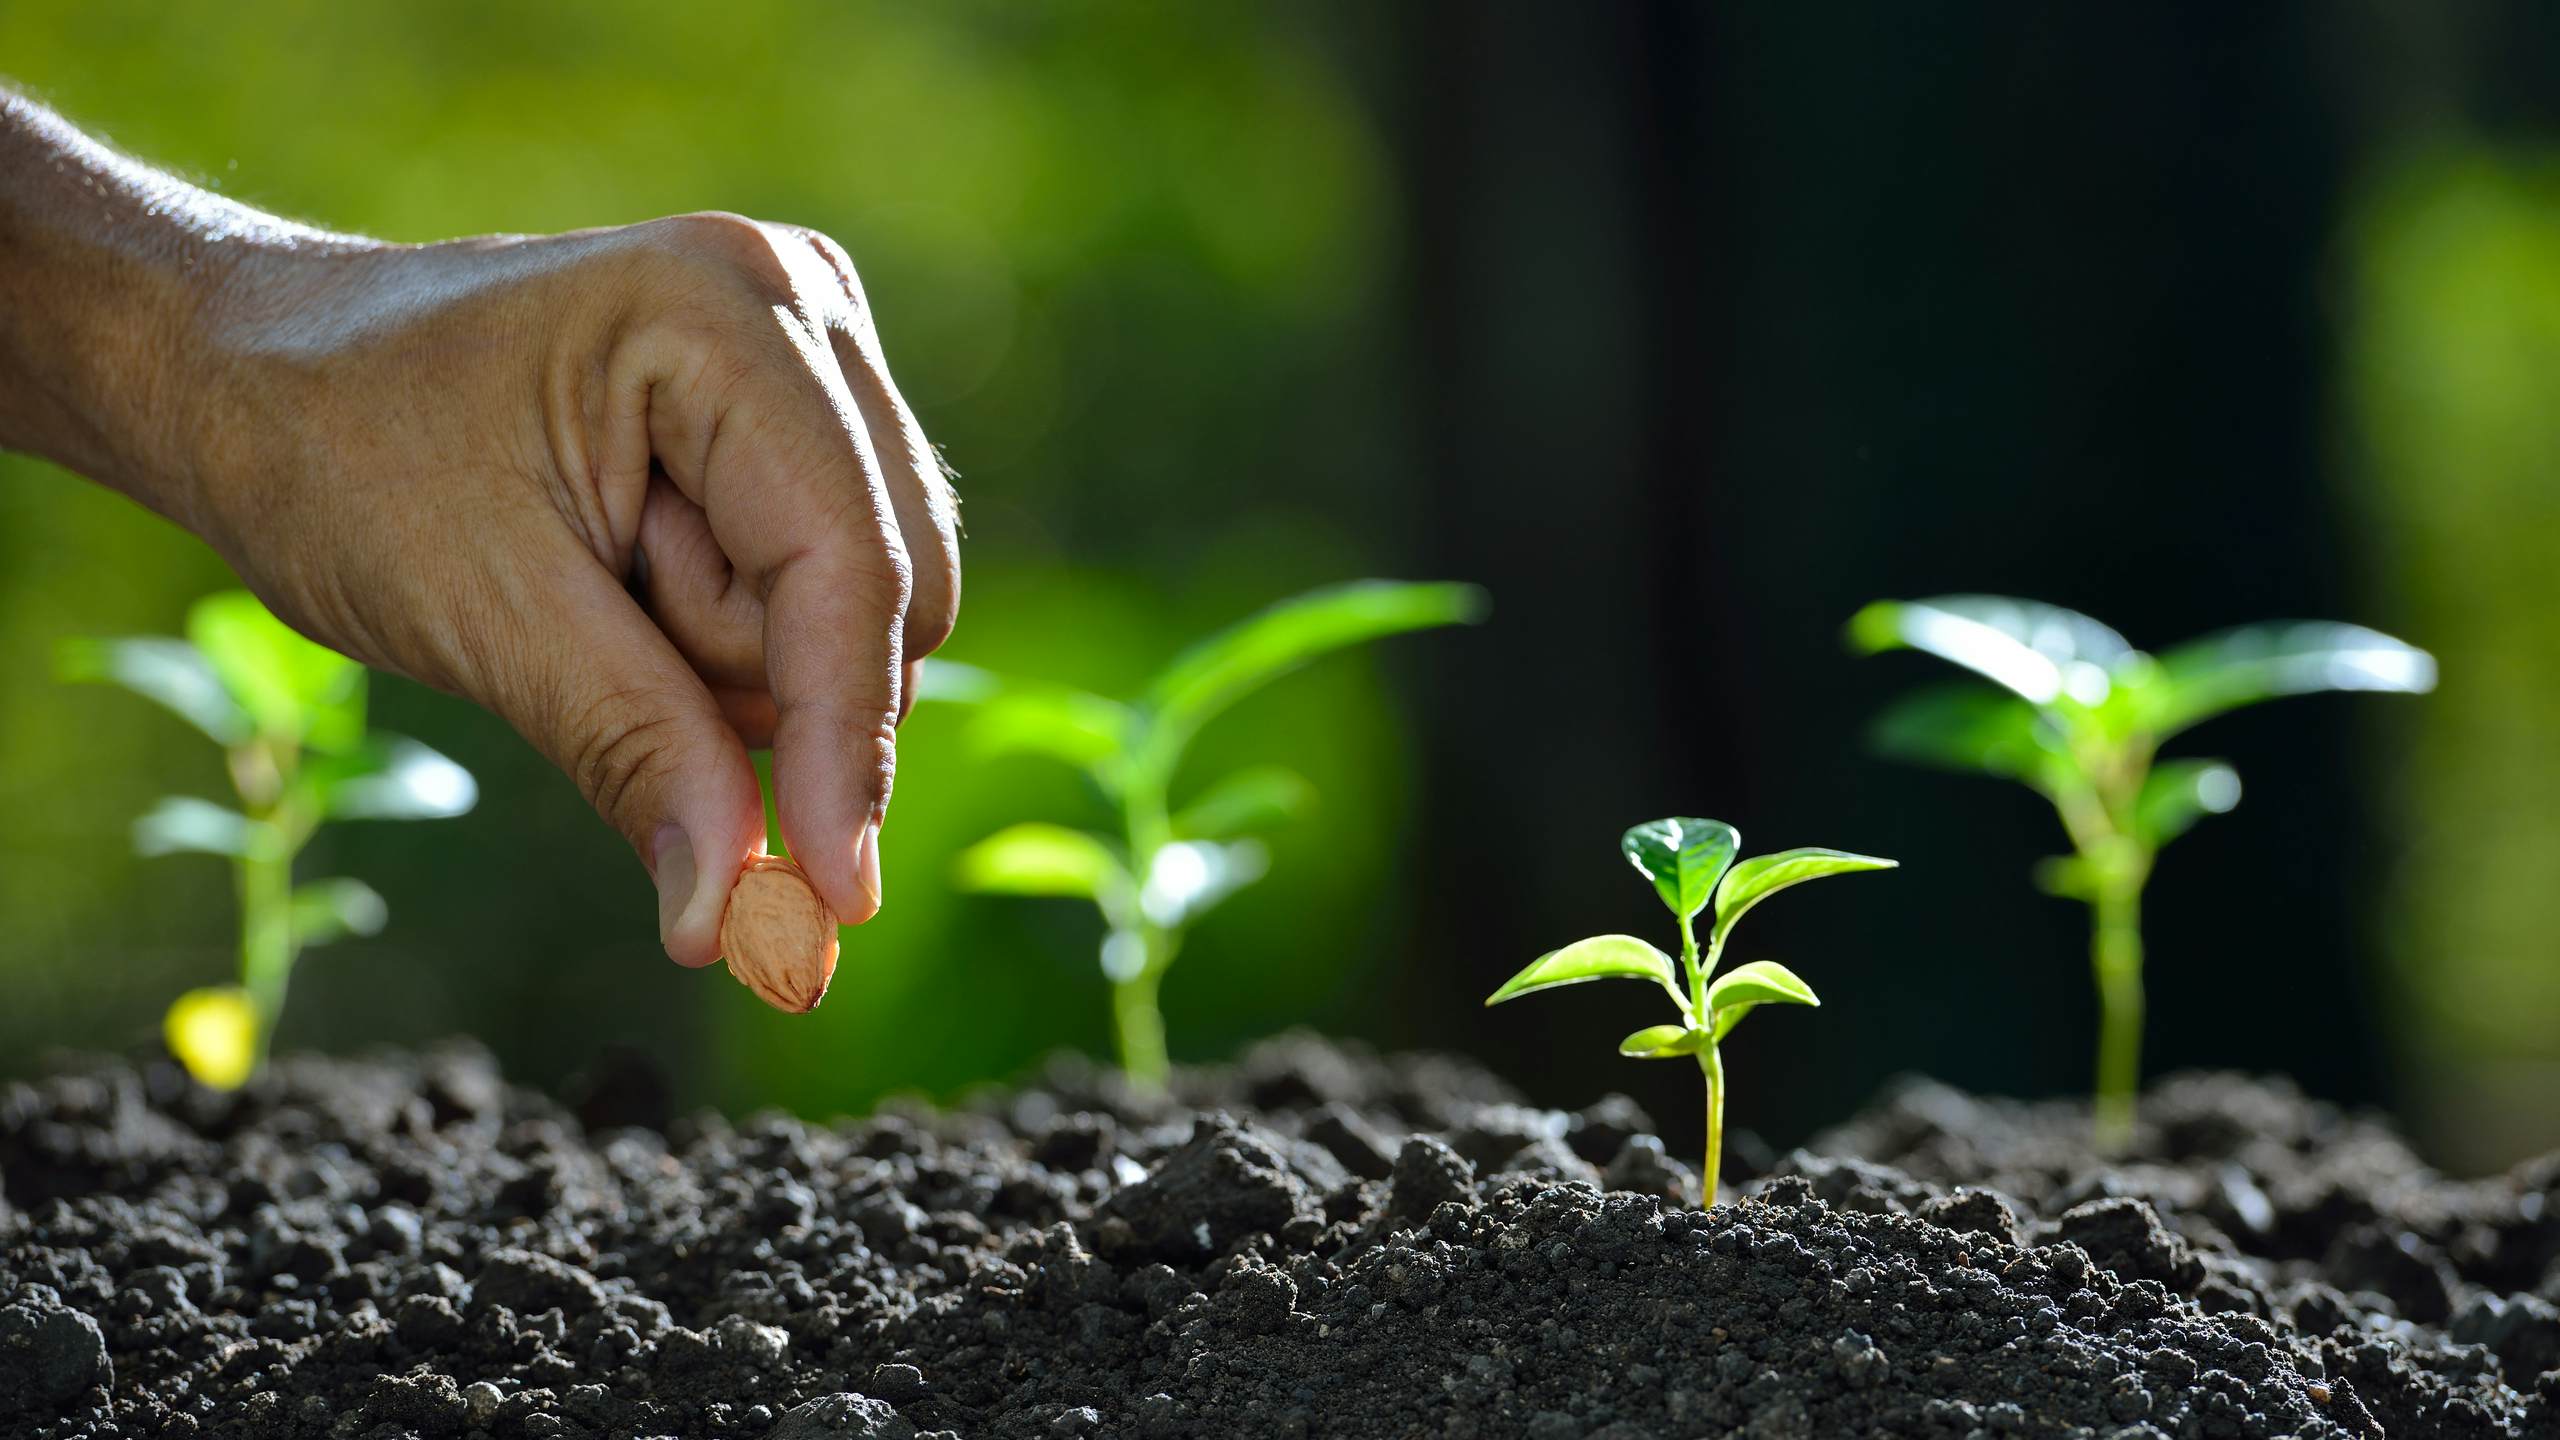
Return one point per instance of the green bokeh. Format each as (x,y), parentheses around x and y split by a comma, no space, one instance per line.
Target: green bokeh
(1121,253)
(2454,376)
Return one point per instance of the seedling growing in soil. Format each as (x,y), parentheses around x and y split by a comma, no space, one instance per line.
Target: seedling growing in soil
(1167,867)
(2078,715)
(290,718)
(1690,863)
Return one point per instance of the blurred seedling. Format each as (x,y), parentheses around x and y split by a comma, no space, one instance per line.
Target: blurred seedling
(1691,865)
(290,718)
(1166,866)
(2078,715)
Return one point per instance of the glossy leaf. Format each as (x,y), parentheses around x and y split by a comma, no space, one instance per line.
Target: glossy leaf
(214,1033)
(1664,1042)
(294,690)
(2204,678)
(1222,669)
(329,910)
(2178,793)
(1683,857)
(1247,801)
(954,683)
(1762,876)
(171,673)
(1603,957)
(1040,859)
(1057,721)
(390,777)
(183,824)
(1745,988)
(2041,652)
(1189,877)
(1965,726)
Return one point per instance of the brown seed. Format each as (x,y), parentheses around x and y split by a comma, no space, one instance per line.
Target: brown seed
(778,936)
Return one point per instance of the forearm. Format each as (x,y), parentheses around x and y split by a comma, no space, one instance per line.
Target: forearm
(112,277)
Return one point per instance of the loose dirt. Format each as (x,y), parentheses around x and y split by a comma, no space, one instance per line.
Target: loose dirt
(1314,1242)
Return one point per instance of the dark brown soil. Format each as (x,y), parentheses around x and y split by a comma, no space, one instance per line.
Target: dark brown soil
(1311,1243)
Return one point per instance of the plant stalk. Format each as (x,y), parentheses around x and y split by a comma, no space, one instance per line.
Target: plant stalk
(2115,952)
(1137,1022)
(266,938)
(1711,1165)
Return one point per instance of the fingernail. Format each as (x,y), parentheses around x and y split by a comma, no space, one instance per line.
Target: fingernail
(672,867)
(866,864)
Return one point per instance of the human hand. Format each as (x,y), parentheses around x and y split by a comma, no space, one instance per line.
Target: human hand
(648,493)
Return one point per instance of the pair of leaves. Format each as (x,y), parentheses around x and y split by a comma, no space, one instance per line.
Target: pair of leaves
(385,777)
(1624,957)
(1734,994)
(240,674)
(1109,738)
(1186,880)
(1691,864)
(2062,668)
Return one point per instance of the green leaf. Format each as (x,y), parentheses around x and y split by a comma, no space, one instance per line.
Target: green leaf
(294,691)
(1964,726)
(2204,678)
(183,824)
(2041,652)
(1683,857)
(327,910)
(1248,800)
(953,683)
(1664,1042)
(2067,877)
(1603,957)
(1040,859)
(389,777)
(1056,721)
(1222,669)
(1745,988)
(2179,793)
(171,673)
(1189,878)
(1762,876)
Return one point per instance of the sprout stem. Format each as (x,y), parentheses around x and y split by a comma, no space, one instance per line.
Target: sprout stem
(1138,1024)
(2115,951)
(1711,1165)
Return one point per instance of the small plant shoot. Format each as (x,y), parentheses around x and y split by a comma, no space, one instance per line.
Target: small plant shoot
(290,718)
(2078,715)
(1691,865)
(1167,865)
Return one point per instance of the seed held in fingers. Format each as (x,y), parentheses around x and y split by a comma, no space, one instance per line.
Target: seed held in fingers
(778,936)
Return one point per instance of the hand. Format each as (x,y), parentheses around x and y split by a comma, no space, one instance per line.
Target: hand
(649,493)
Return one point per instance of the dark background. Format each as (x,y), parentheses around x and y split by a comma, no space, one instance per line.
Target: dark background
(1684,329)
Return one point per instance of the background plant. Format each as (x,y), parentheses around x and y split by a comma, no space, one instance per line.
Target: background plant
(2077,714)
(1167,866)
(1691,865)
(290,718)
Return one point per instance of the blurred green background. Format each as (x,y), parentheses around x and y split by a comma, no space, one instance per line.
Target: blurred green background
(1684,328)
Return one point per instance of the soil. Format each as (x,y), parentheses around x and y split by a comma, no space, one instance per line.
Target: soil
(1313,1242)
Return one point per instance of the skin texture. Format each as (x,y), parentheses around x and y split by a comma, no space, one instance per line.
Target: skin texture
(649,493)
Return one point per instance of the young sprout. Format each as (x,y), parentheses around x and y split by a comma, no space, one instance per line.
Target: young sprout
(290,718)
(1690,863)
(1166,867)
(2078,715)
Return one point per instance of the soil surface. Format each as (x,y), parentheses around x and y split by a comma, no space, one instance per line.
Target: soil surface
(1314,1242)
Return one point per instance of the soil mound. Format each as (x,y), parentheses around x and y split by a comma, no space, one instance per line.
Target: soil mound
(1312,1242)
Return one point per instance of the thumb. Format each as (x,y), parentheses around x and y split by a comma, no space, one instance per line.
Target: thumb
(600,691)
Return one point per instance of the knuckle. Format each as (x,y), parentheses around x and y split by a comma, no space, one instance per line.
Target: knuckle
(621,751)
(734,244)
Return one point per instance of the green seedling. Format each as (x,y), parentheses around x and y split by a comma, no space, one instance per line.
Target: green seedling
(2078,715)
(290,718)
(1691,865)
(1166,866)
